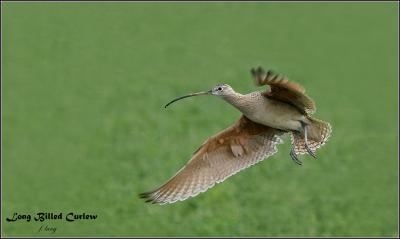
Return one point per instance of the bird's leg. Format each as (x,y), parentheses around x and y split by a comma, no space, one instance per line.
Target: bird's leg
(294,157)
(310,152)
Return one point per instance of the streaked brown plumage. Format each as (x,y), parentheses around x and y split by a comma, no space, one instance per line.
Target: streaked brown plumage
(284,108)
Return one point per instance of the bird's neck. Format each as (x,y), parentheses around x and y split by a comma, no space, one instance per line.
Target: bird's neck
(241,102)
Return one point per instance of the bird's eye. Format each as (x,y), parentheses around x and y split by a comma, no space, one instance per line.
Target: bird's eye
(219,88)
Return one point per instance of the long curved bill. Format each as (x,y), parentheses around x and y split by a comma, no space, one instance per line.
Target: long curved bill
(189,95)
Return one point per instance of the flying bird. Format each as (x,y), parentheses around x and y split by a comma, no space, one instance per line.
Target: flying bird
(282,108)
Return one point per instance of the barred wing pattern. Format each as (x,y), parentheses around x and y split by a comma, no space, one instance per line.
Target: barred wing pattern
(221,156)
(284,90)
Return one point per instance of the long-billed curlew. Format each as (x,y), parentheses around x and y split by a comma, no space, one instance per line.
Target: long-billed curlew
(284,108)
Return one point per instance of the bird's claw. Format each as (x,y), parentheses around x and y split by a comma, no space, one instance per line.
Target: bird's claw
(295,158)
(310,152)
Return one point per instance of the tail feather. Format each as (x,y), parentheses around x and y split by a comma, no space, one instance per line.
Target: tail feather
(318,133)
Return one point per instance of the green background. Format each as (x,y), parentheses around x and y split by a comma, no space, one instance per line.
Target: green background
(85,130)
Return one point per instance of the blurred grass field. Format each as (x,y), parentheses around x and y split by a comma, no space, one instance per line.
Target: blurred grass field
(85,130)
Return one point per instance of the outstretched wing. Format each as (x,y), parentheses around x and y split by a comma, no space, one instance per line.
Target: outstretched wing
(284,90)
(222,155)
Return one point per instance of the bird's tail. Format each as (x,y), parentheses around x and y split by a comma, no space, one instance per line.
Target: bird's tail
(318,133)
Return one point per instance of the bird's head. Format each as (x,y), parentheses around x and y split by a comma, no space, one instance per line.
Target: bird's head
(222,90)
(218,90)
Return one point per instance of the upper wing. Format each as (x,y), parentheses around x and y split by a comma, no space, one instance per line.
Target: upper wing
(222,155)
(284,90)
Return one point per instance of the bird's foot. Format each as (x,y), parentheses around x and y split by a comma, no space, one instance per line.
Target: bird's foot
(310,152)
(304,129)
(294,157)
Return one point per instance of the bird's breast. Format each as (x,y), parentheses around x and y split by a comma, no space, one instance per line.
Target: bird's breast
(275,114)
(266,111)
